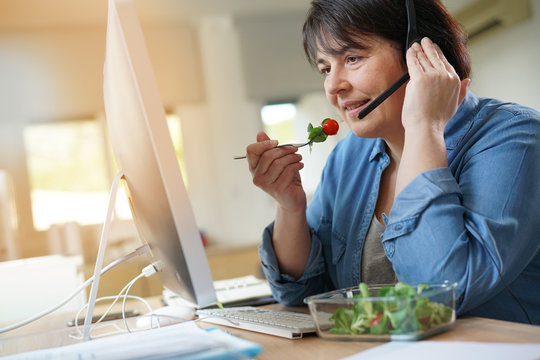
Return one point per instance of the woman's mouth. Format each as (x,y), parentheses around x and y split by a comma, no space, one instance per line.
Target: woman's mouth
(353,109)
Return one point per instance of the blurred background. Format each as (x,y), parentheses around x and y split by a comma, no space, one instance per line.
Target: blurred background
(225,70)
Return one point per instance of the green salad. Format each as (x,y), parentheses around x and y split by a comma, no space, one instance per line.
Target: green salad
(406,312)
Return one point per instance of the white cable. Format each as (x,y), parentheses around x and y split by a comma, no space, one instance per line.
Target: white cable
(124,301)
(146,272)
(106,311)
(141,250)
(118,296)
(119,330)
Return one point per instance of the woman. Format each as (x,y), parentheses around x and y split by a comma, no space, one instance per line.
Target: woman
(447,180)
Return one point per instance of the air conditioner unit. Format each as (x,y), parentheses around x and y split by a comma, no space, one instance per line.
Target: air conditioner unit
(482,16)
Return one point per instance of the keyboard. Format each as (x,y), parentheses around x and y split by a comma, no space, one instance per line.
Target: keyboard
(286,324)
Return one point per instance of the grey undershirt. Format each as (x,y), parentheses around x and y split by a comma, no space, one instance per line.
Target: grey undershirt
(376,269)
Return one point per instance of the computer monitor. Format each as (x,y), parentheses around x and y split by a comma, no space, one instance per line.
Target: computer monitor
(144,151)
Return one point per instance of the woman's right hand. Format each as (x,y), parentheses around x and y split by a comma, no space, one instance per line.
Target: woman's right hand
(276,172)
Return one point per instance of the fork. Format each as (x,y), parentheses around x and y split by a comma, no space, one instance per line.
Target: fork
(296,145)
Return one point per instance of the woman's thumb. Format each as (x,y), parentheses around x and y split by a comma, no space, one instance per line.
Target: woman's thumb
(261,136)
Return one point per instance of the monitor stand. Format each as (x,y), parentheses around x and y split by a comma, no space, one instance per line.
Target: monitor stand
(101,254)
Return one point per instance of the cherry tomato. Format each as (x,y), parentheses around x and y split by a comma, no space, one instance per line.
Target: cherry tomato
(376,320)
(330,127)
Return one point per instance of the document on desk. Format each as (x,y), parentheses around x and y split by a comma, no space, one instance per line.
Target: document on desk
(449,350)
(185,340)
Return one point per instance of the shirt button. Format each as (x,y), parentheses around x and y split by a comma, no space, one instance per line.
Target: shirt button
(389,249)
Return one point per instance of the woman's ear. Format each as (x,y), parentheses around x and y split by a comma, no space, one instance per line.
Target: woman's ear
(463,89)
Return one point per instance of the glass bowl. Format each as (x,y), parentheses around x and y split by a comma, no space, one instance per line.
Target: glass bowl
(384,312)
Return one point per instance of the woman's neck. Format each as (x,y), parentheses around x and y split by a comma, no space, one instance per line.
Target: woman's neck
(394,147)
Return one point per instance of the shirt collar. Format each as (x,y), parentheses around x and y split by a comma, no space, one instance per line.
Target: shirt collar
(462,121)
(379,148)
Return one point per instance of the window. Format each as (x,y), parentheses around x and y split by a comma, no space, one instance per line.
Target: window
(67,170)
(278,121)
(68,167)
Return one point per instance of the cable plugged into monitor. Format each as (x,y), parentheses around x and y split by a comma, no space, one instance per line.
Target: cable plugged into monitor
(149,270)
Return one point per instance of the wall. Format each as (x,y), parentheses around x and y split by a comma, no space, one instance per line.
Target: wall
(275,42)
(505,63)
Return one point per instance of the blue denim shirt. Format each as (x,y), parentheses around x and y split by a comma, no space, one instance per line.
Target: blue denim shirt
(472,222)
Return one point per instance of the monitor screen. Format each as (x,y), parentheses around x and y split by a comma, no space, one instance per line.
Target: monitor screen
(144,152)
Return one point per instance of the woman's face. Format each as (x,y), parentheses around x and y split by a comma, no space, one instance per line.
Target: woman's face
(356,76)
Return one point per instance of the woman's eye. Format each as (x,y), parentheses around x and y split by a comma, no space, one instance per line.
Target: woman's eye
(353,59)
(324,71)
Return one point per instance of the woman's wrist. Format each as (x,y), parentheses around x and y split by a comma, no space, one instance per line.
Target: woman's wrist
(291,240)
(289,211)
(424,149)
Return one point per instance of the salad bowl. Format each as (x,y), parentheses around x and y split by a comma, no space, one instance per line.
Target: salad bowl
(384,312)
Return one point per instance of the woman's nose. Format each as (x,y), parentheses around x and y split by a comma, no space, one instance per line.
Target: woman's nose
(336,82)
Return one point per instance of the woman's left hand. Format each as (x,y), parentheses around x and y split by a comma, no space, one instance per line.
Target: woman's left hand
(434,91)
(432,97)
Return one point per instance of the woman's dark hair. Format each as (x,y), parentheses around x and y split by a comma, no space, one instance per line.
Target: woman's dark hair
(334,25)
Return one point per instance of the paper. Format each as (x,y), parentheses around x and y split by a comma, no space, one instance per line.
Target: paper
(451,350)
(184,340)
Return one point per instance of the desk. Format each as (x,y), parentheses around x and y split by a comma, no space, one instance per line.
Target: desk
(312,347)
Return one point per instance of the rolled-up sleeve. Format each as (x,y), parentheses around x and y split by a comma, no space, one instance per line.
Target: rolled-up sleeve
(420,228)
(417,196)
(285,288)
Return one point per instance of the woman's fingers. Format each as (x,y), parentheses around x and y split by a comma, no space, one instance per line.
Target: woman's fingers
(434,90)
(429,57)
(273,166)
(416,61)
(422,59)
(273,169)
(436,59)
(276,171)
(287,177)
(256,150)
(269,164)
(281,180)
(271,156)
(447,65)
